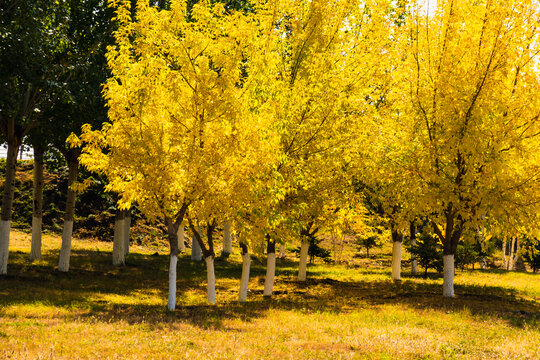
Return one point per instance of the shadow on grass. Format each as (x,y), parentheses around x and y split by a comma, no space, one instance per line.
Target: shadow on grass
(91,273)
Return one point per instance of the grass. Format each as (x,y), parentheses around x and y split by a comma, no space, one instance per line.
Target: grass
(342,311)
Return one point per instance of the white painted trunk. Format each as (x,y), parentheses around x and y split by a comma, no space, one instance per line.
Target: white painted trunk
(448,273)
(511,254)
(396,260)
(282,251)
(171,304)
(5,228)
(195,250)
(302,268)
(119,242)
(181,238)
(35,247)
(244,280)
(65,250)
(270,274)
(227,238)
(127,228)
(210,280)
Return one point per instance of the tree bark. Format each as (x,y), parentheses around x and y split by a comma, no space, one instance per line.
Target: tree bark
(448,273)
(181,238)
(7,203)
(244,280)
(172,230)
(302,267)
(414,262)
(195,247)
(171,302)
(505,258)
(209,256)
(65,251)
(514,253)
(37,205)
(118,256)
(210,280)
(282,251)
(227,239)
(450,239)
(397,239)
(483,260)
(511,254)
(270,267)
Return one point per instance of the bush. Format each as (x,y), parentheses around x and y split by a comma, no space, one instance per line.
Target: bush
(468,254)
(315,250)
(531,253)
(368,243)
(428,252)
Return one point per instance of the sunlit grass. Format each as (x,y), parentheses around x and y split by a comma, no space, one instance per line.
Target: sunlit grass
(351,310)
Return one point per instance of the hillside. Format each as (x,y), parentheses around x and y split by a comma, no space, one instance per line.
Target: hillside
(94,209)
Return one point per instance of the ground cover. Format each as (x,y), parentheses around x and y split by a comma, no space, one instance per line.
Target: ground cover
(350,310)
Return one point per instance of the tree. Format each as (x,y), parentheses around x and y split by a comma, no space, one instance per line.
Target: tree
(89,31)
(38,140)
(326,57)
(50,50)
(466,98)
(181,140)
(32,50)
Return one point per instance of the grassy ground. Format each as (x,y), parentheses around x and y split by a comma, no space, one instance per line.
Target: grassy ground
(343,311)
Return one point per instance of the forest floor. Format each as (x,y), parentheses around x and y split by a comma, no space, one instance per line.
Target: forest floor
(352,310)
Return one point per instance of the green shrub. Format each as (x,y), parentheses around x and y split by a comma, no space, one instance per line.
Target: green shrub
(428,252)
(531,253)
(369,242)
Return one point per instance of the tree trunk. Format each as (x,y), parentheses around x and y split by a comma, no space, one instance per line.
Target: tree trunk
(244,280)
(414,262)
(196,248)
(172,229)
(118,256)
(7,204)
(302,268)
(127,228)
(210,279)
(282,251)
(181,238)
(227,240)
(37,208)
(511,257)
(450,240)
(209,256)
(515,253)
(397,239)
(270,268)
(448,271)
(65,251)
(483,260)
(171,303)
(505,258)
